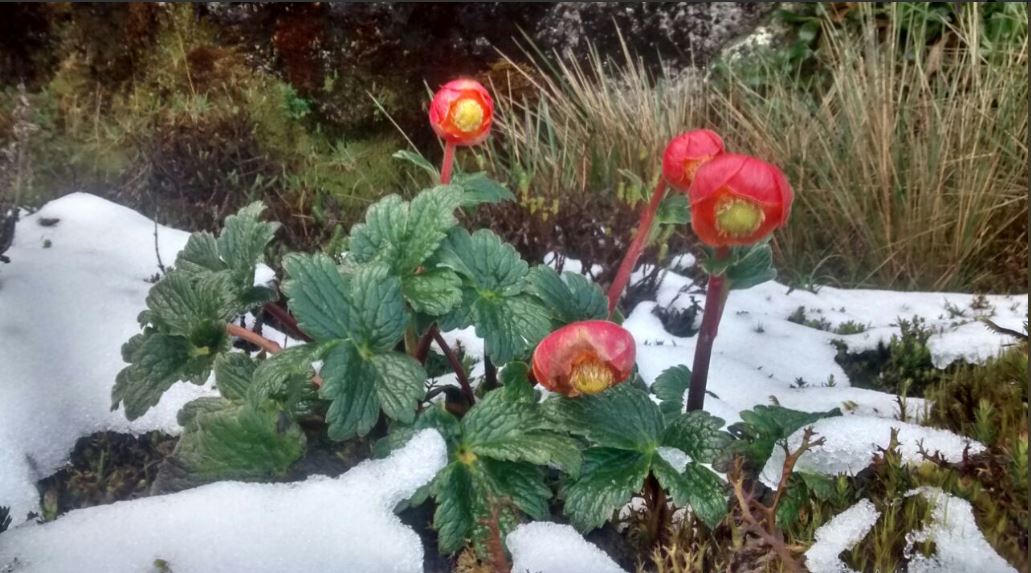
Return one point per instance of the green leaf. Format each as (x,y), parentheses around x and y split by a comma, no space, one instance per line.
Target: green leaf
(515,377)
(379,310)
(698,434)
(670,387)
(478,188)
(179,304)
(535,447)
(318,296)
(404,235)
(763,426)
(360,386)
(233,374)
(200,255)
(608,479)
(243,239)
(621,417)
(753,267)
(453,519)
(285,378)
(434,292)
(435,417)
(158,362)
(823,487)
(697,488)
(239,442)
(674,210)
(495,419)
(510,327)
(417,160)
(570,297)
(489,263)
(522,483)
(193,408)
(355,406)
(795,497)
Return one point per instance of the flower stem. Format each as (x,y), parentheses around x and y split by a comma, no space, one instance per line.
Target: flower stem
(715,299)
(640,240)
(456,365)
(254,338)
(655,501)
(447,163)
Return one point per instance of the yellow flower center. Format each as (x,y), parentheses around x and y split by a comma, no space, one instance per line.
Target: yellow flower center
(467,115)
(591,377)
(737,217)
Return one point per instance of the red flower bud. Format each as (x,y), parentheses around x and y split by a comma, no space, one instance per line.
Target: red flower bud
(738,200)
(461,112)
(686,153)
(584,358)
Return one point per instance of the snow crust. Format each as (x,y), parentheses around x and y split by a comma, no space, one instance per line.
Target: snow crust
(851,442)
(959,543)
(839,534)
(544,547)
(321,524)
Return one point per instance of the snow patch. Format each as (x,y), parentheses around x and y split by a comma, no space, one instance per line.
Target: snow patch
(544,547)
(959,543)
(320,524)
(839,534)
(851,442)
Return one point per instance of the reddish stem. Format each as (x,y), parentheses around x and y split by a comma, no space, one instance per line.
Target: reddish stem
(456,365)
(640,240)
(254,338)
(422,350)
(715,298)
(447,163)
(287,321)
(655,500)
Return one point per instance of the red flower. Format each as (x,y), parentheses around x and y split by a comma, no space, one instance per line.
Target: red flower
(738,200)
(686,153)
(461,112)
(584,357)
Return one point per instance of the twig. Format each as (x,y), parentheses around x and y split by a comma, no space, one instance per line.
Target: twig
(157,251)
(456,365)
(270,346)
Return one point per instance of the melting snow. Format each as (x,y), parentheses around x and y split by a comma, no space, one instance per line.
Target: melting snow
(544,547)
(839,534)
(321,524)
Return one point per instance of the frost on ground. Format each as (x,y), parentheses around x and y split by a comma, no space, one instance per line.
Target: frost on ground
(544,547)
(851,442)
(959,544)
(315,525)
(840,534)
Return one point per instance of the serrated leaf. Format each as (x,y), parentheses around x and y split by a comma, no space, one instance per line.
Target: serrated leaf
(489,263)
(763,426)
(400,385)
(355,405)
(434,292)
(285,378)
(243,239)
(239,442)
(453,519)
(535,447)
(200,255)
(158,362)
(698,434)
(510,327)
(318,296)
(193,408)
(495,419)
(697,488)
(670,387)
(404,235)
(179,303)
(570,297)
(608,479)
(379,318)
(478,188)
(515,377)
(233,374)
(522,483)
(621,417)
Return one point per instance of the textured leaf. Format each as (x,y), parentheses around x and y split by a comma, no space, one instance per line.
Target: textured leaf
(698,434)
(318,296)
(697,488)
(763,426)
(522,483)
(489,263)
(510,327)
(621,417)
(515,377)
(243,239)
(434,292)
(608,479)
(435,417)
(753,267)
(535,447)
(200,255)
(285,378)
(570,297)
(495,419)
(378,308)
(179,304)
(233,374)
(355,406)
(158,362)
(478,188)
(670,387)
(239,442)
(821,486)
(193,408)
(404,235)
(400,384)
(453,519)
